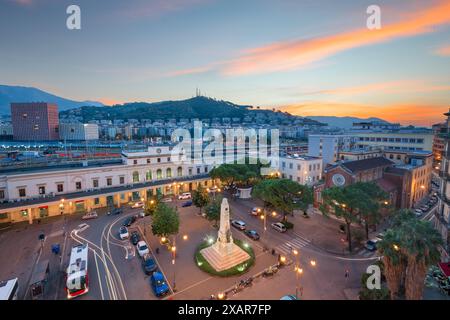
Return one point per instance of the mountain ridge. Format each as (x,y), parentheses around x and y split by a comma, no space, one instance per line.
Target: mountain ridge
(9,94)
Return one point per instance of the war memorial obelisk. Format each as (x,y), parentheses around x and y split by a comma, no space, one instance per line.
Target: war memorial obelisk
(224,254)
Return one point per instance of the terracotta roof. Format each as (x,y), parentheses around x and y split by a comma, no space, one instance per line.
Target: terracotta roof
(366,164)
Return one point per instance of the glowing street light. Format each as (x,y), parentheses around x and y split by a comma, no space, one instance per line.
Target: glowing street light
(185,237)
(313,263)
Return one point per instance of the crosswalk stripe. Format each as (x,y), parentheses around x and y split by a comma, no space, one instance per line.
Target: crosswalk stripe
(295,243)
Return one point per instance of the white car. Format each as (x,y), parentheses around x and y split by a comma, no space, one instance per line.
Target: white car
(279,227)
(138,204)
(166,200)
(123,233)
(185,196)
(255,211)
(142,248)
(238,224)
(90,215)
(418,212)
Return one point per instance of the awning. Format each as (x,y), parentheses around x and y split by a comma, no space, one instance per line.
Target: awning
(445,268)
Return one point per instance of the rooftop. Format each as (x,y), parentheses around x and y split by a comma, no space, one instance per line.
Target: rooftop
(366,164)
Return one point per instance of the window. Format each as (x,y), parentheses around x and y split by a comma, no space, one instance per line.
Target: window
(309,167)
(290,177)
(391,156)
(159,174)
(206,169)
(96,201)
(318,166)
(168,159)
(78,185)
(95,183)
(134,161)
(135,176)
(42,190)
(159,160)
(122,180)
(399,157)
(2,194)
(299,167)
(283,164)
(179,171)
(169,173)
(290,165)
(419,140)
(198,170)
(148,175)
(109,181)
(190,171)
(148,160)
(60,187)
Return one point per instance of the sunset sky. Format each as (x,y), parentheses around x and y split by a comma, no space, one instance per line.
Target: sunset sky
(307,57)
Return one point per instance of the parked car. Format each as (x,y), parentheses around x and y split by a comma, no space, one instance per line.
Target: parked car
(279,227)
(141,214)
(418,212)
(252,234)
(238,224)
(187,204)
(159,285)
(166,200)
(185,196)
(380,236)
(371,245)
(256,211)
(135,237)
(123,233)
(90,215)
(149,264)
(129,221)
(116,211)
(142,248)
(138,204)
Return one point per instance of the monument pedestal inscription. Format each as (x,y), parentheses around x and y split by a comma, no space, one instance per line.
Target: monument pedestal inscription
(224,254)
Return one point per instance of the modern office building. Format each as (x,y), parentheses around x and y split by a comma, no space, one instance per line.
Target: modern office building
(407,140)
(302,169)
(78,131)
(35,121)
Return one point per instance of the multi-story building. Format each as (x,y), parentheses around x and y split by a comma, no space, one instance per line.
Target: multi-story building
(406,140)
(35,121)
(36,193)
(327,146)
(438,143)
(442,216)
(302,169)
(78,131)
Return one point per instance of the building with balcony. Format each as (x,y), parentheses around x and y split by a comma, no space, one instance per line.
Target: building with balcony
(302,169)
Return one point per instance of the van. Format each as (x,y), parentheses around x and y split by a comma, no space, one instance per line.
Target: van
(279,227)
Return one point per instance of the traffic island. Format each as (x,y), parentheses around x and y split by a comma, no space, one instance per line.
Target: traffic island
(245,250)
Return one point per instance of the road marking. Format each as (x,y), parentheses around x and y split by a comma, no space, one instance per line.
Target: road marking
(190,287)
(295,243)
(98,275)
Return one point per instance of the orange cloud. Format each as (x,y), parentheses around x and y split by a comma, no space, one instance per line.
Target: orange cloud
(108,101)
(385,88)
(425,115)
(185,72)
(291,55)
(443,51)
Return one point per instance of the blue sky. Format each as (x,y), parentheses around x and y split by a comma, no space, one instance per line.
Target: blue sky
(308,57)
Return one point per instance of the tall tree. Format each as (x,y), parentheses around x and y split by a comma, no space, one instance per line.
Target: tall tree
(151,205)
(166,221)
(200,197)
(284,195)
(409,248)
(212,210)
(342,202)
(369,203)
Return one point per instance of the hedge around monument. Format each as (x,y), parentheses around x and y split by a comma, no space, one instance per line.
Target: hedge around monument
(205,266)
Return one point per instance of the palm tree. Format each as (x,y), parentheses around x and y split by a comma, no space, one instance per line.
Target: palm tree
(408,249)
(394,262)
(422,251)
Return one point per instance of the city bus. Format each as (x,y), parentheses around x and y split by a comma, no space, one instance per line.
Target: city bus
(9,289)
(77,282)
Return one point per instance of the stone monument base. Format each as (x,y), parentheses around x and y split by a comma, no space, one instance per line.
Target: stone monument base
(222,260)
